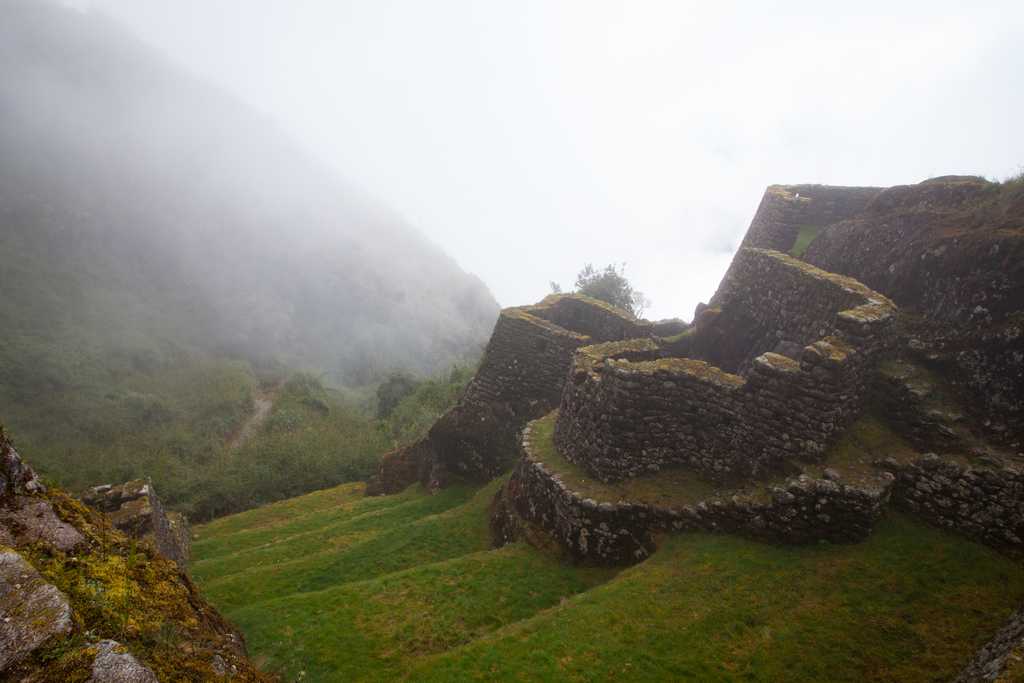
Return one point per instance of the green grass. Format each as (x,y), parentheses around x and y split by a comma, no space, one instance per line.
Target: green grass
(170,421)
(804,238)
(342,587)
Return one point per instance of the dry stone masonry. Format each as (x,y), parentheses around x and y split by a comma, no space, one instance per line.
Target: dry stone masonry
(799,509)
(635,408)
(629,410)
(520,378)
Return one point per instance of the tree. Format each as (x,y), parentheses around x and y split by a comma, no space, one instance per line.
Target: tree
(392,390)
(610,285)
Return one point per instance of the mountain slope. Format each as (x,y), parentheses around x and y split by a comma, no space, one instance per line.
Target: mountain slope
(141,207)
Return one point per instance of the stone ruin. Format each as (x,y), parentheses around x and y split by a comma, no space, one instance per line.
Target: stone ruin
(632,408)
(748,426)
(619,430)
(135,509)
(46,533)
(520,379)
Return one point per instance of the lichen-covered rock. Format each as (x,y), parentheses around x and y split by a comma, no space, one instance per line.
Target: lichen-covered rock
(16,477)
(114,664)
(26,520)
(26,517)
(70,582)
(32,611)
(1004,651)
(135,509)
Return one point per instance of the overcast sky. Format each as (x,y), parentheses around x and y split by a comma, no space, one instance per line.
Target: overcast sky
(528,137)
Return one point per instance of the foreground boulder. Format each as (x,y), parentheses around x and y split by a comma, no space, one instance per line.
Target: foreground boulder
(32,611)
(135,509)
(80,601)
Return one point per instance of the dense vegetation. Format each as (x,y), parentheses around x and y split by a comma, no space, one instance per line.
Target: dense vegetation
(335,586)
(609,284)
(174,421)
(168,253)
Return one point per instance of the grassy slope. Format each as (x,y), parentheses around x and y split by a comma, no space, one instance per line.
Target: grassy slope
(343,587)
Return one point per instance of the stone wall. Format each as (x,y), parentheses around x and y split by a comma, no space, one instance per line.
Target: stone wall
(785,209)
(626,411)
(520,378)
(997,657)
(950,250)
(769,299)
(803,510)
(984,501)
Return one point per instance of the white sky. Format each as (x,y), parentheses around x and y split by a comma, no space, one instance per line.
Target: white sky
(528,137)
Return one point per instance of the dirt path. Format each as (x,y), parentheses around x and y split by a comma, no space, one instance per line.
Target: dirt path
(263,401)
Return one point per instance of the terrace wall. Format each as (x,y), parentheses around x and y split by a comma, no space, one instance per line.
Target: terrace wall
(627,412)
(520,378)
(803,510)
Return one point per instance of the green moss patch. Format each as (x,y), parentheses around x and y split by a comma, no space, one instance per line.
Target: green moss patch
(123,590)
(804,237)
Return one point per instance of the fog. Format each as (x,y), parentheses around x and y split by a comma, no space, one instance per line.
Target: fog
(527,138)
(144,213)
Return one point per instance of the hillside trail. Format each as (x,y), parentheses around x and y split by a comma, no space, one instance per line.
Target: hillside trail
(263,402)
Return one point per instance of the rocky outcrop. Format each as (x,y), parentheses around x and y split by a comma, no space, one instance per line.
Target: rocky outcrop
(135,509)
(25,520)
(113,664)
(32,611)
(995,660)
(520,378)
(80,601)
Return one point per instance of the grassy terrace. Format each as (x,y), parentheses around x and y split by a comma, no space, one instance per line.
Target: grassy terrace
(333,586)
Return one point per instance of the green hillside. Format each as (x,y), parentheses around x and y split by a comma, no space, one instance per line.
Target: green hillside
(334,586)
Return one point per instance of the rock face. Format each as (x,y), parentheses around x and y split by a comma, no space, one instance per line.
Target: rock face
(1003,653)
(70,582)
(135,509)
(26,520)
(520,378)
(32,611)
(114,665)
